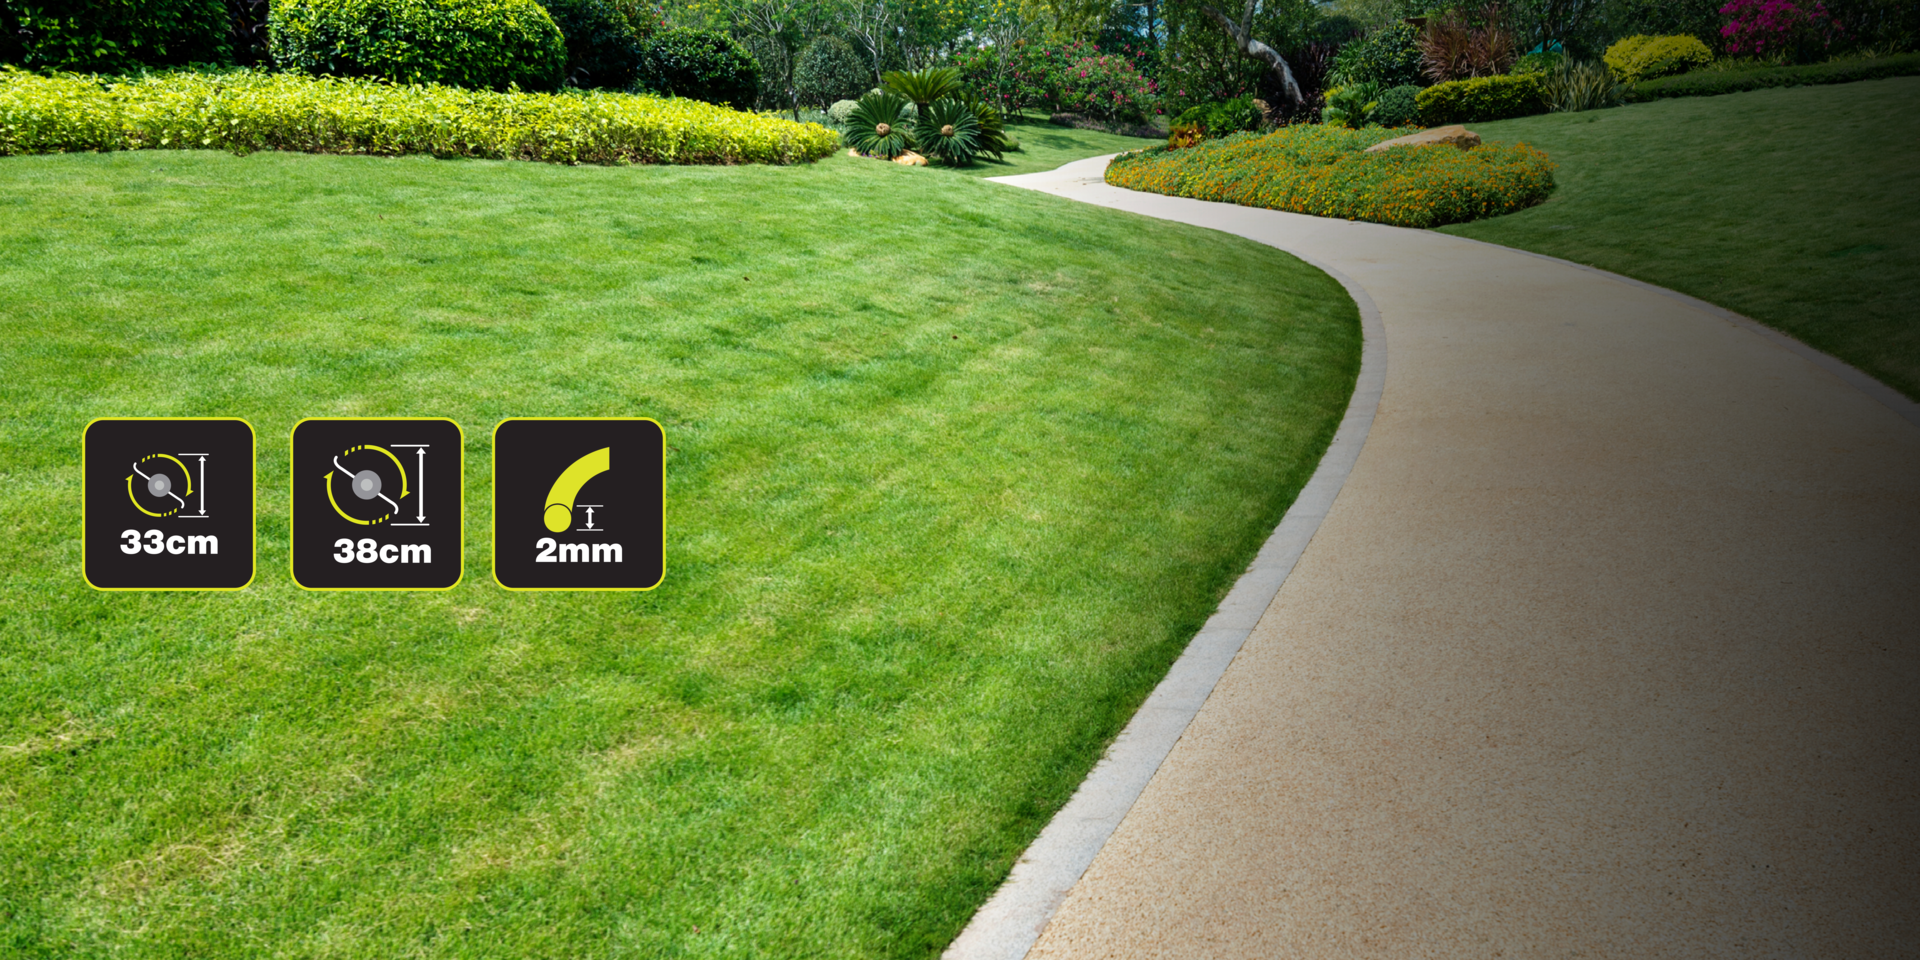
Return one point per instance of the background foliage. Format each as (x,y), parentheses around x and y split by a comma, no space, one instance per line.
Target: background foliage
(114,35)
(480,44)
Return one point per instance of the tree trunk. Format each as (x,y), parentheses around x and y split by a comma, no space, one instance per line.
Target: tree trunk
(1242,35)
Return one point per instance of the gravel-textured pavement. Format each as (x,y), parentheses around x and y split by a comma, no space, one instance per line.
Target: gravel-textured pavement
(1608,646)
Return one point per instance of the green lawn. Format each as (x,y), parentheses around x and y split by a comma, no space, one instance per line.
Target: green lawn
(955,471)
(1797,207)
(1044,146)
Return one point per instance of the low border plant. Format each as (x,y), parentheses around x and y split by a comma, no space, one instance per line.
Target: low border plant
(244,111)
(1708,83)
(1325,171)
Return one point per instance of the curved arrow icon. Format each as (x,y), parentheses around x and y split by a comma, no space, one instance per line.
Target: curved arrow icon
(188,474)
(559,512)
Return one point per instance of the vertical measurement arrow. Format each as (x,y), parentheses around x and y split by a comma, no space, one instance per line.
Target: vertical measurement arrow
(420,477)
(203,486)
(589,518)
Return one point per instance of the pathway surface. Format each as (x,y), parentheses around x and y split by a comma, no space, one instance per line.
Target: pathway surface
(1609,646)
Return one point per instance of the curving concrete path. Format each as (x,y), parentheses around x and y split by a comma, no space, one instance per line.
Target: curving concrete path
(1608,646)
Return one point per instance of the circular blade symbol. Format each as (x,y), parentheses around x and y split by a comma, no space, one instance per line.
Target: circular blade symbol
(559,511)
(367,484)
(159,485)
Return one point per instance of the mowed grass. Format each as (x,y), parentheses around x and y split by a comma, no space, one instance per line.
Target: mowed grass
(1044,146)
(1797,207)
(954,473)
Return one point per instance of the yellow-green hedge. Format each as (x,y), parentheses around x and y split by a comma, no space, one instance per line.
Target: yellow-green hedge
(245,111)
(1481,99)
(1641,57)
(1324,171)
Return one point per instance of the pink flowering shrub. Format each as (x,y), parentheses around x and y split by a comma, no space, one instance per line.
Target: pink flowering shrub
(1107,87)
(1778,27)
(1072,77)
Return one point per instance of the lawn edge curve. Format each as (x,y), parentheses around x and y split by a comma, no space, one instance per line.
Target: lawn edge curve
(1010,922)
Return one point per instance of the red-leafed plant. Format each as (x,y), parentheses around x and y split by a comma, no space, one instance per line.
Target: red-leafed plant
(1454,48)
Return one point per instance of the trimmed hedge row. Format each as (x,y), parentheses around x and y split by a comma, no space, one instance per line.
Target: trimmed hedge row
(245,111)
(1707,83)
(1482,98)
(1324,171)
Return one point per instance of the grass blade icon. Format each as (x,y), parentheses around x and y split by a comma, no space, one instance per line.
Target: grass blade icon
(559,512)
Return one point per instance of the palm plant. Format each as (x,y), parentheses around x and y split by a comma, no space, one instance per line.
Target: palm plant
(879,126)
(949,130)
(923,86)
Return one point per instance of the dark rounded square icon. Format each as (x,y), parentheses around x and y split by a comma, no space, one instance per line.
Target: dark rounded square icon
(377,504)
(579,504)
(167,504)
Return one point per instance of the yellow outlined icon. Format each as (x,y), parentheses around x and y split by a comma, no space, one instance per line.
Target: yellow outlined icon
(174,537)
(159,484)
(559,512)
(366,484)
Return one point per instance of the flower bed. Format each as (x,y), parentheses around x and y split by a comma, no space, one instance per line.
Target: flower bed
(244,111)
(1324,171)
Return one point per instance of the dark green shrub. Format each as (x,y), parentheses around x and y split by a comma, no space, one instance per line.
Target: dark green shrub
(1389,56)
(1539,61)
(1220,119)
(699,65)
(642,16)
(830,71)
(114,36)
(602,47)
(1398,107)
(1482,98)
(478,44)
(1707,83)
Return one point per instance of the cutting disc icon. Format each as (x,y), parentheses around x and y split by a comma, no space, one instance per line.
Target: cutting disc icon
(368,484)
(158,484)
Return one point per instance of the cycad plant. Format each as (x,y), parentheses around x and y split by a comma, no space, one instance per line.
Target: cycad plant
(923,86)
(879,126)
(949,130)
(993,127)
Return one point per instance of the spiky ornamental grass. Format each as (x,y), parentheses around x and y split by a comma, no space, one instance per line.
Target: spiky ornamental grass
(948,129)
(880,126)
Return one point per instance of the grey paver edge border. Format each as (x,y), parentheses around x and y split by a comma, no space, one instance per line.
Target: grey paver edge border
(1009,923)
